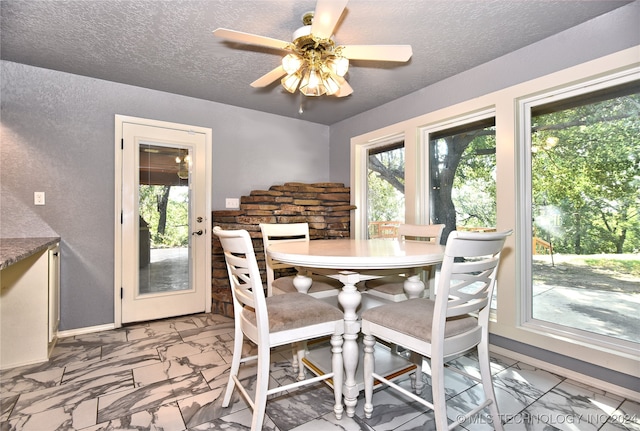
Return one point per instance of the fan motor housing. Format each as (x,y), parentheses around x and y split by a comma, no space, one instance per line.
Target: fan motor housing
(304,41)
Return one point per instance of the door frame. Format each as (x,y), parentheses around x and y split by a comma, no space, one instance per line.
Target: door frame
(119,121)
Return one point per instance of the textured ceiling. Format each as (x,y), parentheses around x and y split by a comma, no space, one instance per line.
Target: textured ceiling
(168,45)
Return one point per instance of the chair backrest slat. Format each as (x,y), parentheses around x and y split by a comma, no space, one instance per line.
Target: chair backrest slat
(244,274)
(468,274)
(420,232)
(469,284)
(273,233)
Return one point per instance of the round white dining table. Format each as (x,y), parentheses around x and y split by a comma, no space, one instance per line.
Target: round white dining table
(350,261)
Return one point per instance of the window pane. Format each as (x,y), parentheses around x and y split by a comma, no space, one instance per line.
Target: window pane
(385,190)
(463,177)
(585,173)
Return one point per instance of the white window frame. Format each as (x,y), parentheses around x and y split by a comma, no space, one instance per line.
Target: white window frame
(525,216)
(423,175)
(360,152)
(510,322)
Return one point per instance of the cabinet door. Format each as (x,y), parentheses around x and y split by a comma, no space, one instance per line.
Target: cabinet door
(23,312)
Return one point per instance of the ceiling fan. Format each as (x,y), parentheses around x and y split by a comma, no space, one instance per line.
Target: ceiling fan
(314,63)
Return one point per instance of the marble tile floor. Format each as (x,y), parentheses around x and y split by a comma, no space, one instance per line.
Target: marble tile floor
(170,375)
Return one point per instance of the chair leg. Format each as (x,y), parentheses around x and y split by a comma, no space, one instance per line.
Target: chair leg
(301,353)
(262,385)
(487,384)
(439,396)
(369,368)
(294,357)
(416,378)
(337,366)
(238,340)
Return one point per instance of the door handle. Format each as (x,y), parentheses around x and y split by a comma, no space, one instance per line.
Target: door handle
(198,232)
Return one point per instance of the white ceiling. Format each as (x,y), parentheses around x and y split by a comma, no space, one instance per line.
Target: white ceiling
(168,45)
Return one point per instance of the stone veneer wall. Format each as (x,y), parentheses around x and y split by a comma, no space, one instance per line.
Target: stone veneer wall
(325,206)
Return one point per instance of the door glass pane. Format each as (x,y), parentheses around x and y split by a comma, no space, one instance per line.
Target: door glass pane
(585,174)
(164,219)
(385,190)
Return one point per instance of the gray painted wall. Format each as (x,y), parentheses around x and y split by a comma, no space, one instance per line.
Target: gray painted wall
(58,137)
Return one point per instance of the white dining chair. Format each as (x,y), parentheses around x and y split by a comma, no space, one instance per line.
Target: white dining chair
(442,329)
(391,287)
(274,321)
(319,285)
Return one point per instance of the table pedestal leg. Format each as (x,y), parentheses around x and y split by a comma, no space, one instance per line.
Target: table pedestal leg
(349,299)
(413,287)
(302,283)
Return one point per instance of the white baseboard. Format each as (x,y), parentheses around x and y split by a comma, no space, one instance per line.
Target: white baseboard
(573,375)
(87,330)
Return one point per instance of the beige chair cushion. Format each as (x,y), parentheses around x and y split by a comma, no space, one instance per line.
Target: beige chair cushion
(391,285)
(320,284)
(295,310)
(414,318)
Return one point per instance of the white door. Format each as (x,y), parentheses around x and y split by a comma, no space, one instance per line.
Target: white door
(165,238)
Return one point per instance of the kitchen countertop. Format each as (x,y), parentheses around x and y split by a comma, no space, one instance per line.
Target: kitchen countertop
(13,250)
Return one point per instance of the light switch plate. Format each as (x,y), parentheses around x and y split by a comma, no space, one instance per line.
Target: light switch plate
(38,198)
(232,203)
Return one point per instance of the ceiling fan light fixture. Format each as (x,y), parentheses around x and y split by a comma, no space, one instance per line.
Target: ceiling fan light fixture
(184,165)
(291,81)
(183,172)
(331,84)
(291,63)
(312,84)
(313,60)
(339,65)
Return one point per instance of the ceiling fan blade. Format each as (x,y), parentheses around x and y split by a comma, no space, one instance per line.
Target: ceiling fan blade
(345,88)
(326,16)
(400,53)
(248,38)
(269,77)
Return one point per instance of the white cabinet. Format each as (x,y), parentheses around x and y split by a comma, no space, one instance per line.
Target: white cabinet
(29,308)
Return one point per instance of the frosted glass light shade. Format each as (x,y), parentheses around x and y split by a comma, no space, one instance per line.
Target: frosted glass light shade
(339,65)
(291,63)
(331,85)
(311,84)
(290,82)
